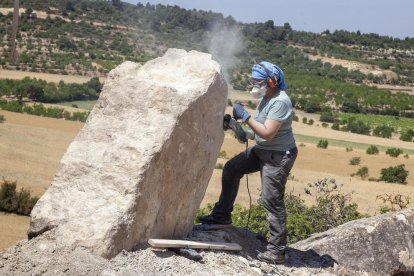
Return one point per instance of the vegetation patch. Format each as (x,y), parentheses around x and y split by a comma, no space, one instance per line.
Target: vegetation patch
(396,174)
(13,201)
(331,208)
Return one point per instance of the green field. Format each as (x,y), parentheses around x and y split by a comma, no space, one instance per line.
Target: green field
(398,123)
(87,105)
(340,143)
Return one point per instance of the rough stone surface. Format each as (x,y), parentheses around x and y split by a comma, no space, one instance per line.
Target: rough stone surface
(381,245)
(140,166)
(365,247)
(41,256)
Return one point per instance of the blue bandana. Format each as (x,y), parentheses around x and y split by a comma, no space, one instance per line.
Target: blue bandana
(259,73)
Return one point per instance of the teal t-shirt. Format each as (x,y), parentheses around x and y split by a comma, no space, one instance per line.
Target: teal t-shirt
(277,108)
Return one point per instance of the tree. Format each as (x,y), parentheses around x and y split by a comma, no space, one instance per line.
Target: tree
(396,174)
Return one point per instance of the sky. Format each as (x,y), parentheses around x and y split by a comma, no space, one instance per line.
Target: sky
(391,17)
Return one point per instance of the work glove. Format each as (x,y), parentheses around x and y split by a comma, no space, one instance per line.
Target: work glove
(240,113)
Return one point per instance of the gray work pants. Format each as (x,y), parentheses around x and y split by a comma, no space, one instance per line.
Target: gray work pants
(274,167)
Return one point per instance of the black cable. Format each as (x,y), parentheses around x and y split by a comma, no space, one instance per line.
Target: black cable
(248,191)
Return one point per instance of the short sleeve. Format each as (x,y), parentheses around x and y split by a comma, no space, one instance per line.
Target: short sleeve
(279,111)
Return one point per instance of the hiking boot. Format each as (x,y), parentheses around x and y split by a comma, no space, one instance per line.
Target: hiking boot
(271,257)
(211,219)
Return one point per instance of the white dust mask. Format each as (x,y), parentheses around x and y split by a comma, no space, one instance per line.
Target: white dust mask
(258,92)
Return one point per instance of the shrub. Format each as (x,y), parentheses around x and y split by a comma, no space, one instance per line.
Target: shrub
(310,122)
(327,117)
(15,202)
(394,152)
(223,154)
(325,125)
(372,150)
(295,118)
(75,106)
(229,102)
(219,166)
(383,131)
(362,172)
(396,174)
(349,149)
(304,120)
(358,127)
(407,136)
(335,126)
(331,209)
(355,161)
(323,144)
(396,202)
(2,119)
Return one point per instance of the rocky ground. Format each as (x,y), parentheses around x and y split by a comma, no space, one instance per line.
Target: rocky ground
(42,256)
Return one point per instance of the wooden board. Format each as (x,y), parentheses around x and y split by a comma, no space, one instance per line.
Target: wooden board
(162,243)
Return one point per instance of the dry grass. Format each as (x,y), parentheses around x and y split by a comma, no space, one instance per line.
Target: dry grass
(12,228)
(31,148)
(18,75)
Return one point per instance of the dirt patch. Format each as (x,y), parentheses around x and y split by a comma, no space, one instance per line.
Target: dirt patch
(18,75)
(354,65)
(12,229)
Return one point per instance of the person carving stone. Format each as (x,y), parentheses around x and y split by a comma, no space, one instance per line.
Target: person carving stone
(273,155)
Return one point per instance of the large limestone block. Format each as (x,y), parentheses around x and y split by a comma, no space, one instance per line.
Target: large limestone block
(381,245)
(140,166)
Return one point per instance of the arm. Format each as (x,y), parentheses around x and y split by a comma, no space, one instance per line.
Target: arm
(266,131)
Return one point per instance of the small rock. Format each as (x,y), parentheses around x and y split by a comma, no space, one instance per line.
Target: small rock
(244,260)
(6,256)
(267,268)
(257,270)
(255,264)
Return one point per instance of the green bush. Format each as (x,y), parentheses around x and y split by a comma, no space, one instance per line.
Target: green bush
(383,131)
(335,126)
(304,120)
(325,125)
(323,144)
(396,174)
(355,161)
(394,152)
(407,136)
(219,166)
(223,154)
(295,118)
(229,102)
(2,119)
(349,149)
(327,117)
(362,172)
(331,209)
(12,201)
(372,150)
(310,122)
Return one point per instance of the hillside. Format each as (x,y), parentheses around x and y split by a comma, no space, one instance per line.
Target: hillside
(324,71)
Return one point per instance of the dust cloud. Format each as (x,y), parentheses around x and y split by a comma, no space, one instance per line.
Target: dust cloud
(225,44)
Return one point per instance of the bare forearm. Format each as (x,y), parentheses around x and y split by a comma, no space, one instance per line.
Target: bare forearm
(265,131)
